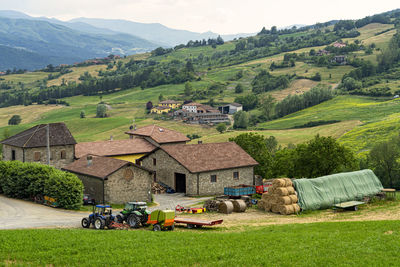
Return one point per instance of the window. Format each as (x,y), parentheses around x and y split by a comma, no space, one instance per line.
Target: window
(37,155)
(13,154)
(236,175)
(155,176)
(138,162)
(213,178)
(63,154)
(154,162)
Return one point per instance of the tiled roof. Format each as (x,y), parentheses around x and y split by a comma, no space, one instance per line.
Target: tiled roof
(59,135)
(159,134)
(209,157)
(101,167)
(114,148)
(193,104)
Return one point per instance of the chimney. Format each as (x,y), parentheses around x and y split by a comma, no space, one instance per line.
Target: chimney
(199,142)
(89,160)
(111,138)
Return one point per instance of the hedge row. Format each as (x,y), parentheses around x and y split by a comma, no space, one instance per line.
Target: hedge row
(27,180)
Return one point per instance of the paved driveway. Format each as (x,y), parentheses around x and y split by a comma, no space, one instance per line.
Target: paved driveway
(15,214)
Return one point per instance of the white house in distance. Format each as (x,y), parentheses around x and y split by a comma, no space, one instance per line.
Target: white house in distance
(191,107)
(230,108)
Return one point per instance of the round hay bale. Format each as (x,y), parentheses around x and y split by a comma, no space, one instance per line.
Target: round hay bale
(288,182)
(275,208)
(267,206)
(291,190)
(265,196)
(296,208)
(239,206)
(281,191)
(261,204)
(286,209)
(225,207)
(293,199)
(284,200)
(279,183)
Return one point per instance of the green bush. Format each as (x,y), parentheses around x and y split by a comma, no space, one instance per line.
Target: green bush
(27,180)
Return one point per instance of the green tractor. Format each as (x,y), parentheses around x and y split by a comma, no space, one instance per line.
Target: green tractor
(135,214)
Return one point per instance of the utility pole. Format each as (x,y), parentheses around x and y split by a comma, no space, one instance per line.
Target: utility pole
(48,143)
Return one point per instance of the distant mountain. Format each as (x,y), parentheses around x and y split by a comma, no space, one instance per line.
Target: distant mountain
(57,44)
(154,32)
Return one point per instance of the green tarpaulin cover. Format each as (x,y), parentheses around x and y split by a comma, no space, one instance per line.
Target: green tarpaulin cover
(324,192)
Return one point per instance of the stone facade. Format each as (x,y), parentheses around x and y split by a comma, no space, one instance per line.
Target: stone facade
(119,187)
(196,183)
(60,156)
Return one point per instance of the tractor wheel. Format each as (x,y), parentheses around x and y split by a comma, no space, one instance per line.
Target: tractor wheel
(119,219)
(133,221)
(99,224)
(156,228)
(85,223)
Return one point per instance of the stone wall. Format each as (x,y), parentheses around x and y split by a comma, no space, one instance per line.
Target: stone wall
(196,184)
(120,188)
(165,167)
(28,154)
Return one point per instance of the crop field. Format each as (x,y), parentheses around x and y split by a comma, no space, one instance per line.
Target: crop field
(373,243)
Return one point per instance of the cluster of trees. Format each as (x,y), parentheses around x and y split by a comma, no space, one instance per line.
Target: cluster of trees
(144,77)
(318,157)
(265,82)
(384,160)
(293,103)
(14,120)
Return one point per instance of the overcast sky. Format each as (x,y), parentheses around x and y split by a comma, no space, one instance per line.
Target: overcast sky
(221,16)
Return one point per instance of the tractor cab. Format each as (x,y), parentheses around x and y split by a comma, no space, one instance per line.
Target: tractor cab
(102,210)
(138,206)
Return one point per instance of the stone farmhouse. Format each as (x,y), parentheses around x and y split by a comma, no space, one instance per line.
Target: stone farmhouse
(201,169)
(123,170)
(110,180)
(31,145)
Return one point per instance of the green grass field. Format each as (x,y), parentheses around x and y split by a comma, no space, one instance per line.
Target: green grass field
(368,243)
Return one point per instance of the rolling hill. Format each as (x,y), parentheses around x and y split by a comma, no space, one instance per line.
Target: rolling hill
(359,122)
(56,44)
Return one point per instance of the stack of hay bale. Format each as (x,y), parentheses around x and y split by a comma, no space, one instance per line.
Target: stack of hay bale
(226,206)
(280,198)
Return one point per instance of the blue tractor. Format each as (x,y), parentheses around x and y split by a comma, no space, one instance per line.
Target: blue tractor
(101,217)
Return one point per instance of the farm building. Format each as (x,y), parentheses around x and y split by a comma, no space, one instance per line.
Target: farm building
(160,110)
(31,145)
(129,150)
(110,180)
(157,135)
(170,104)
(230,108)
(201,169)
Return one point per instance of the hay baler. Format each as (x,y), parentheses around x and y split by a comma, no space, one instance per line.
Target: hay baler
(162,220)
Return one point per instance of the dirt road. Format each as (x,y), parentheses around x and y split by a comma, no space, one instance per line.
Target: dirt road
(15,214)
